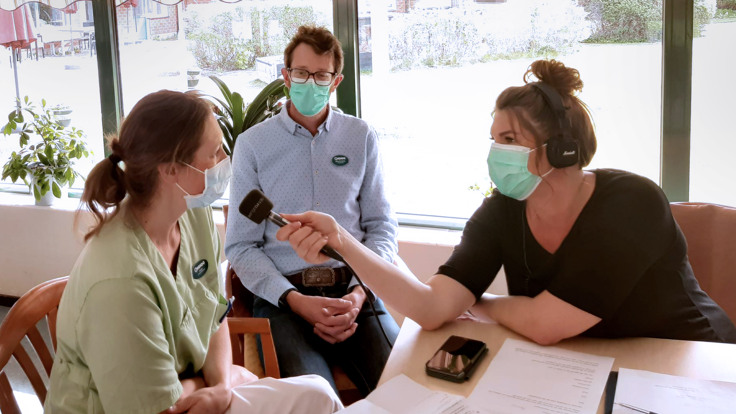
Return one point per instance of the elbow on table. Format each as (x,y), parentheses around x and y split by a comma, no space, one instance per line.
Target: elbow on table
(544,336)
(430,324)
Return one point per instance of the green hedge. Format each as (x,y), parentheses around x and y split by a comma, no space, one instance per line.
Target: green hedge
(216,47)
(627,21)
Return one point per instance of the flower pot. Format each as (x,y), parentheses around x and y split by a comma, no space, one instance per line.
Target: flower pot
(64,115)
(48,198)
(193,78)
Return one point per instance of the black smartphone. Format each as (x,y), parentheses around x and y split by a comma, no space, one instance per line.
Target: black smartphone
(456,359)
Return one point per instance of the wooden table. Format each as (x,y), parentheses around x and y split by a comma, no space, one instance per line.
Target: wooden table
(414,346)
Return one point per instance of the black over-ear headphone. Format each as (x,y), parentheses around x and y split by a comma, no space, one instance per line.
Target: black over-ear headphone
(562,150)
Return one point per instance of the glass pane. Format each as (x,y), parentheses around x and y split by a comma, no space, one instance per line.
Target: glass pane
(57,62)
(179,47)
(431,71)
(713,141)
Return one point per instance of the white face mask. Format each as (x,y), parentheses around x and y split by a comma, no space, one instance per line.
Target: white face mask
(216,180)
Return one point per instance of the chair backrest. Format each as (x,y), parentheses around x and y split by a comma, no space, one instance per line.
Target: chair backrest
(245,348)
(41,302)
(710,231)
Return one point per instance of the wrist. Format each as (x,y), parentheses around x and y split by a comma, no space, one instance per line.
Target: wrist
(284,299)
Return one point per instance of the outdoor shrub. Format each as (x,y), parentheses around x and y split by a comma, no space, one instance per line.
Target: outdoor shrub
(727,4)
(625,21)
(213,44)
(224,38)
(628,21)
(458,36)
(432,38)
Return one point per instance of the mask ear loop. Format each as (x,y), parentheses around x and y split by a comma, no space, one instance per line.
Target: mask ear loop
(551,167)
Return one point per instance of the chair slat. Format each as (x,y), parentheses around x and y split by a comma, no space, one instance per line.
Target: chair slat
(25,362)
(8,405)
(42,350)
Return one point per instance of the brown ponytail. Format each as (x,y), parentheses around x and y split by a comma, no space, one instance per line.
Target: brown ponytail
(164,126)
(535,115)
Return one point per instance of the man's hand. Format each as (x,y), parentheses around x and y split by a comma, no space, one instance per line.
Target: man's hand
(333,318)
(205,400)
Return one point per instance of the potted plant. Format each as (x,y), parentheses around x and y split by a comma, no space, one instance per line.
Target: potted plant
(63,114)
(47,151)
(193,77)
(235,117)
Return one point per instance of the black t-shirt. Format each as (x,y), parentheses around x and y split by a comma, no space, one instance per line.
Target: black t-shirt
(624,260)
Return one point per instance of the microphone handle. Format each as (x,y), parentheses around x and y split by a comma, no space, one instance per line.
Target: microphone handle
(328,251)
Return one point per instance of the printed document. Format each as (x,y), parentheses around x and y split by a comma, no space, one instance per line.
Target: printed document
(402,395)
(670,394)
(528,378)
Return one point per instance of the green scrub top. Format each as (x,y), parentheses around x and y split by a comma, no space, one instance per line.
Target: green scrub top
(126,327)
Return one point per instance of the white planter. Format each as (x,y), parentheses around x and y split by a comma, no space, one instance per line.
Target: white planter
(48,198)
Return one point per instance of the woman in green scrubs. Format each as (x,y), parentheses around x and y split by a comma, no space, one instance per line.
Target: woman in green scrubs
(139,326)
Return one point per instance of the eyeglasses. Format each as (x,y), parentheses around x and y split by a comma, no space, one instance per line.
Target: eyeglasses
(321,78)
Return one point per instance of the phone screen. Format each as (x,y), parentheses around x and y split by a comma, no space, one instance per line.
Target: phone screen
(456,355)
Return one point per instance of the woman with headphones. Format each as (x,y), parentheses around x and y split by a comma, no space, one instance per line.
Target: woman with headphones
(594,252)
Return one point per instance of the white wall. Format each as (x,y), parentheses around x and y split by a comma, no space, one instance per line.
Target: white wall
(41,243)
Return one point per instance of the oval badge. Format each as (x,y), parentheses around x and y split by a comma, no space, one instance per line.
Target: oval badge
(340,160)
(199,269)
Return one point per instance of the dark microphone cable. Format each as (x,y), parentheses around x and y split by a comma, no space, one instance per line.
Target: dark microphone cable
(257,207)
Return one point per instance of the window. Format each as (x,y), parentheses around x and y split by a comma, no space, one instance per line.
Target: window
(240,43)
(713,135)
(59,65)
(154,10)
(430,76)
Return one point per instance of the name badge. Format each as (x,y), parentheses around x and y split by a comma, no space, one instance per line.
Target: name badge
(340,160)
(199,269)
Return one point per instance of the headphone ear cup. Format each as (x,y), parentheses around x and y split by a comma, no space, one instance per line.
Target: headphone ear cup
(562,153)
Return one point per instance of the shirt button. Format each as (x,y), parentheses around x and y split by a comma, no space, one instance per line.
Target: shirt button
(316,171)
(318,203)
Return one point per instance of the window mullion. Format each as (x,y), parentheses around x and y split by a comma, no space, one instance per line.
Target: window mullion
(677,59)
(108,64)
(345,23)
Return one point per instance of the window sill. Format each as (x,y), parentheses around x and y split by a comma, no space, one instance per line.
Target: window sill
(410,233)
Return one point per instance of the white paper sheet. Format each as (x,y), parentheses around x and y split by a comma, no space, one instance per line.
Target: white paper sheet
(528,378)
(670,394)
(402,395)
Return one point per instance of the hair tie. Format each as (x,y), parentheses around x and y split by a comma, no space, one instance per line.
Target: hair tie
(115,160)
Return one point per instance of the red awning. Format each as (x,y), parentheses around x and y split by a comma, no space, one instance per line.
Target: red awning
(70,9)
(16,30)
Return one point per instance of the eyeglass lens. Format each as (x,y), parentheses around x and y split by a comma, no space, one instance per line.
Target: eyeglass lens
(320,78)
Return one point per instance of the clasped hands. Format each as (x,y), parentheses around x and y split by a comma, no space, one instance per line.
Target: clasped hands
(333,319)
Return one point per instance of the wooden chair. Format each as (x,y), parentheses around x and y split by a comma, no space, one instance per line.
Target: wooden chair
(42,303)
(243,308)
(710,231)
(39,303)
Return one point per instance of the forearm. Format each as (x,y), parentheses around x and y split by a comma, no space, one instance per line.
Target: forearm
(216,369)
(402,291)
(545,319)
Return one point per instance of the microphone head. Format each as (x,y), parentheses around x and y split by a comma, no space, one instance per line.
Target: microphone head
(256,206)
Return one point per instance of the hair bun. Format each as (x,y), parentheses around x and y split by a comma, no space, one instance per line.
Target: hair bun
(555,74)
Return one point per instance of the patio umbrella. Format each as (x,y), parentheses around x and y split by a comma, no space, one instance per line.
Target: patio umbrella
(16,32)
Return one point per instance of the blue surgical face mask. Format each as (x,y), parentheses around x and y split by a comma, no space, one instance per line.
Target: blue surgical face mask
(309,98)
(507,165)
(216,180)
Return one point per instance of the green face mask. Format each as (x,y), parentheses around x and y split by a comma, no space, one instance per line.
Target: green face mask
(507,165)
(309,98)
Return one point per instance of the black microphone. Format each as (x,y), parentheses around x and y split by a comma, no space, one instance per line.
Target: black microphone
(257,207)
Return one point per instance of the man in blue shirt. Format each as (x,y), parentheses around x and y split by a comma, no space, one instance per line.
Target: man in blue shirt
(311,157)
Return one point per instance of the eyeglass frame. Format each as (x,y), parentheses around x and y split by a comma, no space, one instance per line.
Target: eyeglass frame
(312,75)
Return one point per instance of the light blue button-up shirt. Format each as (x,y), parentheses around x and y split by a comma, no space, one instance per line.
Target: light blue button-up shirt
(338,172)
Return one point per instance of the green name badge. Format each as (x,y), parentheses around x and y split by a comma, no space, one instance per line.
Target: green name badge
(340,160)
(199,269)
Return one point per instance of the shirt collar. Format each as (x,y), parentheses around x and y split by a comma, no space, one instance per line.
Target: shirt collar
(293,127)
